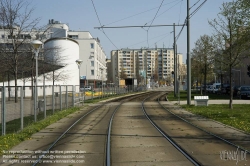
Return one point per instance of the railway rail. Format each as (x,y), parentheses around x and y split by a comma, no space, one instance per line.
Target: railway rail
(135,130)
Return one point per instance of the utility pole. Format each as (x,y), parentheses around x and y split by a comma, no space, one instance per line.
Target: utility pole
(188,59)
(175,71)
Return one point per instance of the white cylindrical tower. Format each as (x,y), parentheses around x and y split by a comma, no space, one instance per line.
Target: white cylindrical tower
(63,52)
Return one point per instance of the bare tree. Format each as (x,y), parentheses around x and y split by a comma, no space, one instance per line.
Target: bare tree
(16,19)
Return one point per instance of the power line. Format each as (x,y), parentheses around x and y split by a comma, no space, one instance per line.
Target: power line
(198,8)
(101,25)
(194,4)
(180,12)
(185,23)
(153,20)
(156,14)
(137,26)
(190,15)
(167,10)
(96,13)
(138,14)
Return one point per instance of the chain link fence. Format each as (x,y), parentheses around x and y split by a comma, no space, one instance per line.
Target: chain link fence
(18,104)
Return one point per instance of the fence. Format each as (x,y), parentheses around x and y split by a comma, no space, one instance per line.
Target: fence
(19,107)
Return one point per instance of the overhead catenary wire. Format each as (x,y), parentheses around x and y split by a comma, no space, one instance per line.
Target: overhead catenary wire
(102,25)
(194,4)
(139,13)
(153,20)
(156,14)
(197,9)
(180,12)
(190,15)
(166,10)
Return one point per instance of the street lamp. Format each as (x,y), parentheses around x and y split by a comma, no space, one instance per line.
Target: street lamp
(148,78)
(101,78)
(79,62)
(36,44)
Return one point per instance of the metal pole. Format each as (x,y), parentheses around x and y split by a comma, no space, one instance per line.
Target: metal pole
(21,106)
(240,77)
(53,98)
(102,83)
(188,59)
(175,71)
(87,73)
(73,95)
(3,108)
(66,96)
(60,89)
(44,102)
(35,106)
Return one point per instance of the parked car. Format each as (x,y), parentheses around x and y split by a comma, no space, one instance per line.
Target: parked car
(86,88)
(225,88)
(235,90)
(209,88)
(244,92)
(216,88)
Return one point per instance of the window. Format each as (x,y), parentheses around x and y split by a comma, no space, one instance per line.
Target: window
(73,36)
(91,45)
(92,72)
(92,63)
(2,36)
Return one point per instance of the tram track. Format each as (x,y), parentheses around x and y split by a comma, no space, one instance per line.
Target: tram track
(167,121)
(66,133)
(165,135)
(136,130)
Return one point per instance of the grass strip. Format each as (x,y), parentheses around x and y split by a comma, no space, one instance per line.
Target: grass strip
(238,118)
(183,96)
(10,140)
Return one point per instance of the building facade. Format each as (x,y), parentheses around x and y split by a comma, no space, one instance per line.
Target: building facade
(155,64)
(93,69)
(69,46)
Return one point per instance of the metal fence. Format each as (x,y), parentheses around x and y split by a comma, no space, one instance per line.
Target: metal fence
(18,103)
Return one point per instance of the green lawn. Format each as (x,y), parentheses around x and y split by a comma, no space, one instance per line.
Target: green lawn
(13,138)
(183,96)
(238,117)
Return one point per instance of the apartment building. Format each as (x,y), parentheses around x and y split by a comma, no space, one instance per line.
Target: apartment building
(154,63)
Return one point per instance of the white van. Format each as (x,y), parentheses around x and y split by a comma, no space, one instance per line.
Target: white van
(216,87)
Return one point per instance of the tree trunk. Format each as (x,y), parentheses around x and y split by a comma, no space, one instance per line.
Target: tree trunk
(230,67)
(231,92)
(16,94)
(32,85)
(205,78)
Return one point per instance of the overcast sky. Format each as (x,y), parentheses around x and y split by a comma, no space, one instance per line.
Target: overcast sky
(84,16)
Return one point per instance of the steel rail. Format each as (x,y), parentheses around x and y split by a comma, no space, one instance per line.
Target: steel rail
(53,144)
(108,145)
(38,161)
(189,157)
(208,132)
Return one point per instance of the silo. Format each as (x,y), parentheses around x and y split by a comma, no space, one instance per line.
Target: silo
(62,53)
